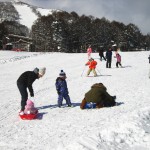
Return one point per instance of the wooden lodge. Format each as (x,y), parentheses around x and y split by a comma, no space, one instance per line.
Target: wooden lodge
(18,43)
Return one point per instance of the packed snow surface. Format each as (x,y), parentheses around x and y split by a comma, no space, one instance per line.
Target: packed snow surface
(122,127)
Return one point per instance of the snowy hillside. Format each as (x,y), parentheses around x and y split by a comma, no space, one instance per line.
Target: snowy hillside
(27,13)
(123,127)
(27,16)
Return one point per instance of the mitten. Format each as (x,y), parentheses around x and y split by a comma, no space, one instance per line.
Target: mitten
(32,94)
(114,97)
(58,92)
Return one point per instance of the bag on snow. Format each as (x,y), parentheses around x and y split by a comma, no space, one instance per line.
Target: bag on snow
(90,105)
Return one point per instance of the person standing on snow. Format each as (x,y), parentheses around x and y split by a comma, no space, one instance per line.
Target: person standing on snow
(108,58)
(101,54)
(89,51)
(25,81)
(118,57)
(92,65)
(149,63)
(62,89)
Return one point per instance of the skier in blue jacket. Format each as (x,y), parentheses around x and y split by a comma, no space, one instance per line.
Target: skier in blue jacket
(62,89)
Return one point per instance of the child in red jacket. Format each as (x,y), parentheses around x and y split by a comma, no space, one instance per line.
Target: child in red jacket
(92,65)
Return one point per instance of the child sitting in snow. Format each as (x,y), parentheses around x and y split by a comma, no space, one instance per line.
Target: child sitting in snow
(62,90)
(29,108)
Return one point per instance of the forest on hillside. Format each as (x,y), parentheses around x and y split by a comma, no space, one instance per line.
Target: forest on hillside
(68,32)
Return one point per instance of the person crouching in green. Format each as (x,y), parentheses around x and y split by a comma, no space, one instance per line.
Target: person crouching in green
(98,94)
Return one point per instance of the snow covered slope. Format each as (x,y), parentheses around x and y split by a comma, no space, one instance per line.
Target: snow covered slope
(27,15)
(123,127)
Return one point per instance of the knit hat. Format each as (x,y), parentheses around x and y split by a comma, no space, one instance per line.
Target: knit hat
(62,74)
(42,71)
(30,103)
(91,59)
(36,70)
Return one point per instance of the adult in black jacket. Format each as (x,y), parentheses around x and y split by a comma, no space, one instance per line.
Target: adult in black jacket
(25,81)
(109,58)
(101,54)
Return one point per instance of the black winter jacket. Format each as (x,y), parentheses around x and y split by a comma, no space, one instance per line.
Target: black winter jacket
(101,52)
(26,79)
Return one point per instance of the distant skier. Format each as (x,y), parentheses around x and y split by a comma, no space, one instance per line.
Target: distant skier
(98,94)
(92,65)
(149,63)
(108,58)
(118,57)
(89,51)
(101,54)
(25,81)
(62,89)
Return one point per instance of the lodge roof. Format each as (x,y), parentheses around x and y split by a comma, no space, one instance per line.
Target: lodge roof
(21,37)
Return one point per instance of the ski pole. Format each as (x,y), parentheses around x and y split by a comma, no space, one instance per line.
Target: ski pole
(83,71)
(98,71)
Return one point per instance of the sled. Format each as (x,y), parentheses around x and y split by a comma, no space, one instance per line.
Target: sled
(28,116)
(90,105)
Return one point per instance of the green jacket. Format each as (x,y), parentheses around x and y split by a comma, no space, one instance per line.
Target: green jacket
(98,94)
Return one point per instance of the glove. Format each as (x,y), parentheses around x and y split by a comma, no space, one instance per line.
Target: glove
(32,94)
(32,99)
(114,97)
(58,92)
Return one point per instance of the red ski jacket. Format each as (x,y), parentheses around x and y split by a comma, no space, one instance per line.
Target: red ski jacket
(92,64)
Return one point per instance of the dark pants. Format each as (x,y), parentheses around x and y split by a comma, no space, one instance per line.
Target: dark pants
(102,57)
(24,95)
(118,63)
(60,99)
(108,64)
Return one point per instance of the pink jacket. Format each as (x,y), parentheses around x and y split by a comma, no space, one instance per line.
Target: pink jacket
(118,57)
(29,108)
(89,50)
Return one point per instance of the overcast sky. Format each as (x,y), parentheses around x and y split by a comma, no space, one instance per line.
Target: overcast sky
(126,11)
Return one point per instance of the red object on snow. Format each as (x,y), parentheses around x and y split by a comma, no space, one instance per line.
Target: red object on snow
(28,116)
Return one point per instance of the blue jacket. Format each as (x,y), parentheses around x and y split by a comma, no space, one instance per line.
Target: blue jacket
(61,86)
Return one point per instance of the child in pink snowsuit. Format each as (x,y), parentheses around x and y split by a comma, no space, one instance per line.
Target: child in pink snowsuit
(89,51)
(118,60)
(29,108)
